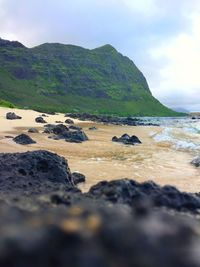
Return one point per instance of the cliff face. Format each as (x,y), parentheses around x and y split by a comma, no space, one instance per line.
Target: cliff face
(69,78)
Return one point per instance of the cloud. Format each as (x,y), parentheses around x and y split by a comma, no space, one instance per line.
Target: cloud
(179,79)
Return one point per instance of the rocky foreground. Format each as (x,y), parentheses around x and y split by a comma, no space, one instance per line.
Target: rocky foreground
(47,221)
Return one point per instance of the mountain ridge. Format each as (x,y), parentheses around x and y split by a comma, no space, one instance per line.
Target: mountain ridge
(70,78)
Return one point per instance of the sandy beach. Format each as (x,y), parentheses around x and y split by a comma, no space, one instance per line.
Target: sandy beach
(101,159)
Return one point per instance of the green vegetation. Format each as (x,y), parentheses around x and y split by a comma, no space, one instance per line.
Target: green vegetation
(6,104)
(66,78)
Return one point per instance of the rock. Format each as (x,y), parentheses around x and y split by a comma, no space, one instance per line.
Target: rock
(63,132)
(69,121)
(76,137)
(59,122)
(59,129)
(127,140)
(73,232)
(40,120)
(24,139)
(129,191)
(78,177)
(44,115)
(12,116)
(93,128)
(110,119)
(33,172)
(75,127)
(196,162)
(33,130)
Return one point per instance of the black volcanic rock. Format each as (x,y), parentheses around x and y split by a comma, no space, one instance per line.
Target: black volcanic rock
(78,178)
(127,140)
(33,172)
(12,116)
(110,119)
(24,139)
(69,121)
(129,192)
(196,162)
(33,130)
(40,120)
(68,134)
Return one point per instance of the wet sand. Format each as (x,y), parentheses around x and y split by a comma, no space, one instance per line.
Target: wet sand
(101,159)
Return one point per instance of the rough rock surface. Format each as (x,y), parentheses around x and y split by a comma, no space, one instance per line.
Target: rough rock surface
(127,191)
(40,120)
(117,224)
(127,140)
(24,139)
(33,172)
(12,116)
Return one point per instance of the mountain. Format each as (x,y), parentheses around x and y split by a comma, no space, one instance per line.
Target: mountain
(68,78)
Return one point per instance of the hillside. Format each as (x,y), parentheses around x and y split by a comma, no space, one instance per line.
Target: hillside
(67,78)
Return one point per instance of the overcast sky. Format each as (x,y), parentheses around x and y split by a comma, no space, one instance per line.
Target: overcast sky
(162,37)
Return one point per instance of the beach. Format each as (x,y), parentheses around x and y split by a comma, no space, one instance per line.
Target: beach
(100,158)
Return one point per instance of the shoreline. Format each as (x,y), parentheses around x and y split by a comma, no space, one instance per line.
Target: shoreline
(100,158)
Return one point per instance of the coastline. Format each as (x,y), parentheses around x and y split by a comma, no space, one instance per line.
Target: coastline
(101,159)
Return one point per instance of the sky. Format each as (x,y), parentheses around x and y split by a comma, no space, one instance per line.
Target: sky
(162,37)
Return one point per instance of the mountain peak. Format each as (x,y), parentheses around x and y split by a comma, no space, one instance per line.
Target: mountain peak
(7,43)
(106,47)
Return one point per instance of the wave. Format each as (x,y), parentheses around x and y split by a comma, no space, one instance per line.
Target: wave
(182,135)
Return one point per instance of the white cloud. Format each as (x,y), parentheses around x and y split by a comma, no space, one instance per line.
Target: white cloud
(180,76)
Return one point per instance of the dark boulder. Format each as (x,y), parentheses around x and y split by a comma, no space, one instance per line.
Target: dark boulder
(76,136)
(69,232)
(63,132)
(12,116)
(33,130)
(40,120)
(24,139)
(78,178)
(127,191)
(69,121)
(59,129)
(33,172)
(127,140)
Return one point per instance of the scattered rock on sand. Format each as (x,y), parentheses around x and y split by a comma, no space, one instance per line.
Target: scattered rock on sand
(93,128)
(24,139)
(33,130)
(196,162)
(127,140)
(12,116)
(40,120)
(63,132)
(78,178)
(69,121)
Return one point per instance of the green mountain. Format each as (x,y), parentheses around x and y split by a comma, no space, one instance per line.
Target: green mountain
(67,78)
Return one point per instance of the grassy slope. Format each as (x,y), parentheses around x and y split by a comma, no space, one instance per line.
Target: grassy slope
(62,78)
